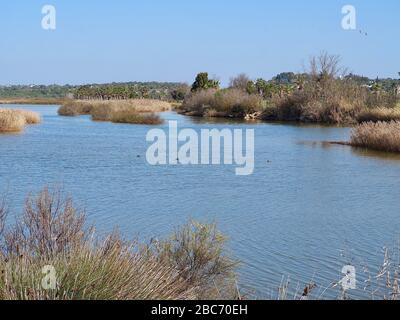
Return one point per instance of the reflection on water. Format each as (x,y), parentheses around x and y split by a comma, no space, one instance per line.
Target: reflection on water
(376,154)
(362,152)
(308,209)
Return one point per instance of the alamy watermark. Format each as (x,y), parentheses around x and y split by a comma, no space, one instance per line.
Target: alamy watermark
(49,19)
(349,20)
(49,281)
(349,281)
(210,147)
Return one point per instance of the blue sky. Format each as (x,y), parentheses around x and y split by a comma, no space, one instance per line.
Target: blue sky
(172,40)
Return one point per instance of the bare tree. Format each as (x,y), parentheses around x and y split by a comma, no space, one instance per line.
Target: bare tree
(326,66)
(240,82)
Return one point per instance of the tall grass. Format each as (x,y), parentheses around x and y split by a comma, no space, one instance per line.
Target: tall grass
(379,114)
(381,136)
(138,111)
(15,120)
(52,232)
(134,117)
(232,103)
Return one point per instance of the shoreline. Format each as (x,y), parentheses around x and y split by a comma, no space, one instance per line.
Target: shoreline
(33,101)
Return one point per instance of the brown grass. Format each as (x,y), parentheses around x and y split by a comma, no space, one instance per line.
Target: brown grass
(15,120)
(137,111)
(30,116)
(381,136)
(11,121)
(133,117)
(52,232)
(37,101)
(73,108)
(231,103)
(379,114)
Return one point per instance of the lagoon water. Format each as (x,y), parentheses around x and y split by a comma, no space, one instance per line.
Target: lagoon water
(308,209)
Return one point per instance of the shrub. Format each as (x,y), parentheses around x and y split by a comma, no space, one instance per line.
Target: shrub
(197,103)
(104,111)
(224,103)
(197,252)
(135,111)
(133,117)
(52,232)
(241,82)
(382,136)
(11,121)
(379,114)
(15,120)
(30,116)
(75,108)
(237,103)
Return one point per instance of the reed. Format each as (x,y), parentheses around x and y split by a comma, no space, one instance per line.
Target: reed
(379,114)
(30,116)
(136,111)
(15,120)
(381,136)
(52,232)
(11,121)
(229,103)
(133,117)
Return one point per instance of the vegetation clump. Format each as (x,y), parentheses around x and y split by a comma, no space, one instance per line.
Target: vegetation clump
(16,120)
(52,238)
(379,114)
(133,117)
(139,111)
(381,136)
(325,93)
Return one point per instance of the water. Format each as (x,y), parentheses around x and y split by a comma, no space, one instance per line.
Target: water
(308,209)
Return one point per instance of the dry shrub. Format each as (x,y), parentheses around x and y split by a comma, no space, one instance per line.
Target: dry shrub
(197,252)
(15,120)
(233,103)
(381,136)
(379,114)
(73,108)
(53,233)
(330,101)
(237,103)
(198,103)
(50,225)
(133,117)
(11,121)
(30,116)
(327,96)
(118,111)
(104,112)
(102,108)
(291,107)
